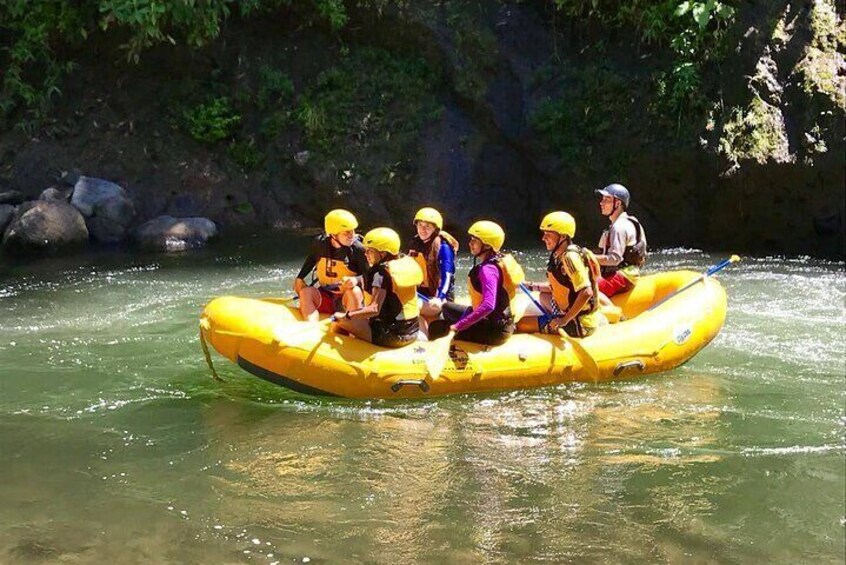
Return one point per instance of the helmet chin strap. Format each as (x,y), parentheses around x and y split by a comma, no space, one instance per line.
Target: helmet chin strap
(617,204)
(561,240)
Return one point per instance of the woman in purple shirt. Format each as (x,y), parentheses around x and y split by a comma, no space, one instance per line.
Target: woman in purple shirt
(489,319)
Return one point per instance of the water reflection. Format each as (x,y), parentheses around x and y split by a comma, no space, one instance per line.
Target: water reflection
(471,478)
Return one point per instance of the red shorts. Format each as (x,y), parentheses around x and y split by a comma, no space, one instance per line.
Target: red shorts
(330,302)
(615,284)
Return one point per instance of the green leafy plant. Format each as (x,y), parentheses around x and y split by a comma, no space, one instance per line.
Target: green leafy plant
(246,154)
(35,34)
(571,125)
(274,86)
(213,121)
(694,30)
(370,96)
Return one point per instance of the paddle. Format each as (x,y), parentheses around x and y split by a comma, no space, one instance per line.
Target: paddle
(716,268)
(588,362)
(438,355)
(546,316)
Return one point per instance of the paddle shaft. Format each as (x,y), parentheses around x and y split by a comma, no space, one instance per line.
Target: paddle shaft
(715,269)
(546,314)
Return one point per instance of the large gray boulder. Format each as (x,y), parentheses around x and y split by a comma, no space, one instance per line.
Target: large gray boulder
(7,212)
(106,206)
(54,194)
(88,191)
(42,227)
(111,219)
(166,233)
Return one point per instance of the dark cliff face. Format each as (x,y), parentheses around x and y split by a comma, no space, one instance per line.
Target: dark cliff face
(490,112)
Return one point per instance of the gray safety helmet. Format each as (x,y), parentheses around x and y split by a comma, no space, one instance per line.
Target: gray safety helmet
(617,191)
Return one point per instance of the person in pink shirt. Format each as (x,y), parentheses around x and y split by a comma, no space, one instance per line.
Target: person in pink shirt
(489,320)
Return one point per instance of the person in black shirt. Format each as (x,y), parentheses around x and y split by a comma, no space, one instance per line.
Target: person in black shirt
(338,262)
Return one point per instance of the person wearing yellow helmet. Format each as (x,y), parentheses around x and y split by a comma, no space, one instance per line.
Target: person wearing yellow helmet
(391,317)
(337,262)
(622,246)
(434,250)
(492,283)
(570,292)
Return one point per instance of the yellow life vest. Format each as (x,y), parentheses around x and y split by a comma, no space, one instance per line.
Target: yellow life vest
(576,269)
(331,271)
(512,277)
(405,275)
(431,268)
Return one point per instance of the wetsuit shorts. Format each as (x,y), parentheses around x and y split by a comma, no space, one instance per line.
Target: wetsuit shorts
(397,334)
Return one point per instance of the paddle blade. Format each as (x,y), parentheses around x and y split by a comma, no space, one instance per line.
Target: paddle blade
(438,355)
(302,334)
(588,362)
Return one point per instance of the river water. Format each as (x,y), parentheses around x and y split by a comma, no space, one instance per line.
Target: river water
(116,446)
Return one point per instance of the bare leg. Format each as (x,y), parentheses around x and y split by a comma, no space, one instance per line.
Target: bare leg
(309,302)
(429,311)
(528,325)
(359,327)
(531,324)
(353,299)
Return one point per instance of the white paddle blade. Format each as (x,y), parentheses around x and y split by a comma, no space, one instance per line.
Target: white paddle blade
(298,334)
(438,355)
(588,362)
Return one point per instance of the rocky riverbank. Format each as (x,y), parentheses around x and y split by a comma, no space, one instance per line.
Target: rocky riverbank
(491,109)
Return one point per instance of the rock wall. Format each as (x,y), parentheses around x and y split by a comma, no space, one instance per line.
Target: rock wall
(762,171)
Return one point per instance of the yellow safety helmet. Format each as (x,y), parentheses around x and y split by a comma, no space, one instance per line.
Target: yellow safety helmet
(559,222)
(339,220)
(383,239)
(429,215)
(489,233)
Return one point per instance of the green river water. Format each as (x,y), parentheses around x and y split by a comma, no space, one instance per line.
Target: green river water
(116,445)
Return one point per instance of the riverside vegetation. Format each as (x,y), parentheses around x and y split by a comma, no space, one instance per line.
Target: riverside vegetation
(726,119)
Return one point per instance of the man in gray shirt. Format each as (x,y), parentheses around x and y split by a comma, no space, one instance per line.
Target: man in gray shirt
(622,246)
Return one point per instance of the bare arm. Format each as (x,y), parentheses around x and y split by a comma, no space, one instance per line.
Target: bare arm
(371,309)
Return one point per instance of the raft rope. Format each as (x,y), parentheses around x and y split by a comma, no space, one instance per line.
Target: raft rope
(206,353)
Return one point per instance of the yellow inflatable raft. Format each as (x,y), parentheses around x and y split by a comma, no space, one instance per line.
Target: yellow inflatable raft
(267,338)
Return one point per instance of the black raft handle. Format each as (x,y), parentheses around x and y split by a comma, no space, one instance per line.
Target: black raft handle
(637,364)
(424,386)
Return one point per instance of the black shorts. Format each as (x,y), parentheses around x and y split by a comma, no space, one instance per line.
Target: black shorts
(484,331)
(397,334)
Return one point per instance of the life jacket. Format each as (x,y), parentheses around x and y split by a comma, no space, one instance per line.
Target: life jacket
(332,271)
(427,255)
(511,275)
(563,289)
(633,255)
(401,300)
